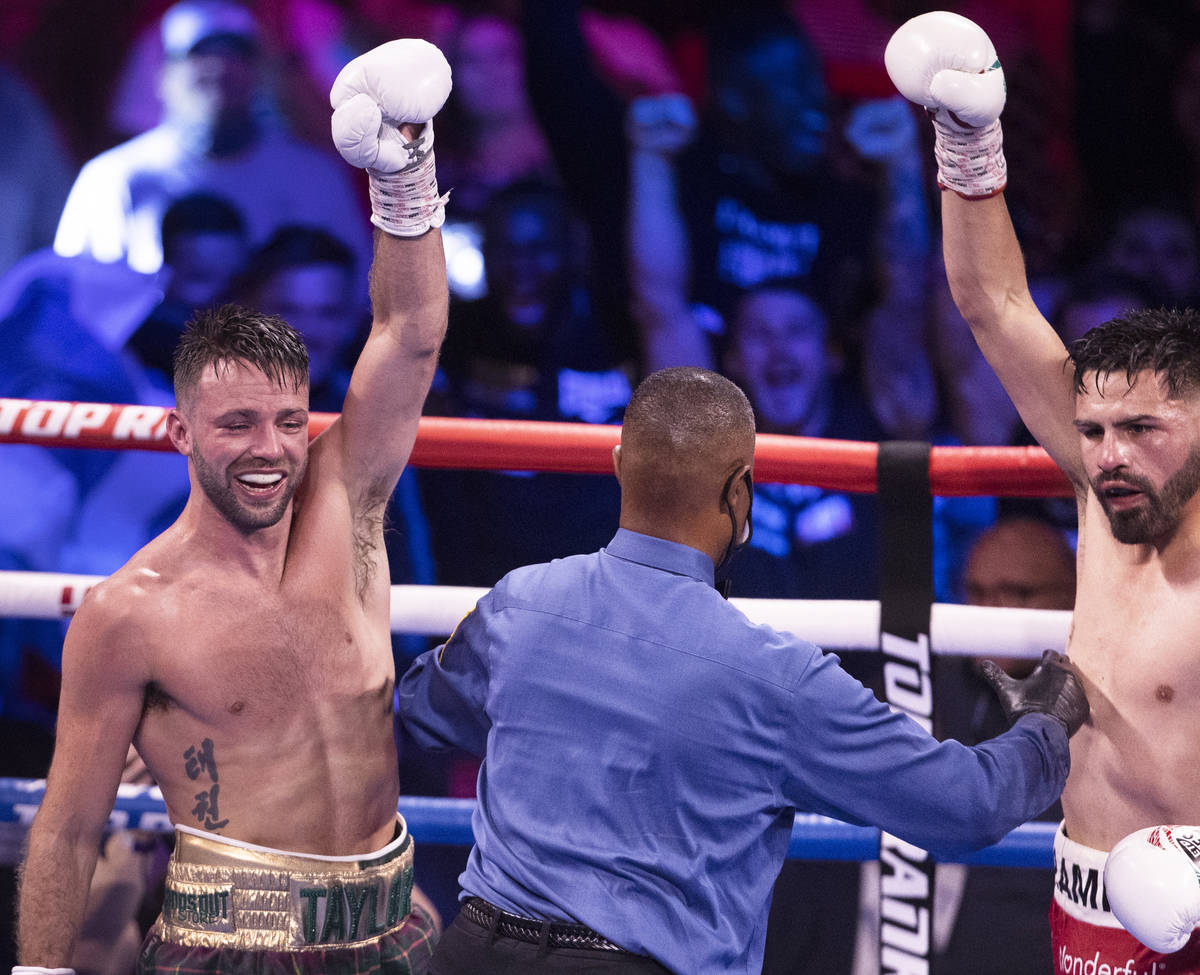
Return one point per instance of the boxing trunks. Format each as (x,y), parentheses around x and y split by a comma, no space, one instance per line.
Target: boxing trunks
(1087,939)
(231,906)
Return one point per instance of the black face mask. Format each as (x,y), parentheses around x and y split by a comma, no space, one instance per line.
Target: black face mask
(721,574)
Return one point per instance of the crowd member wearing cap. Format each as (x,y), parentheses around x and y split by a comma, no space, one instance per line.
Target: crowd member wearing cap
(212,139)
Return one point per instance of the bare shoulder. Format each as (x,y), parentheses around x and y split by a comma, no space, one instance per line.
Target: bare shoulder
(123,617)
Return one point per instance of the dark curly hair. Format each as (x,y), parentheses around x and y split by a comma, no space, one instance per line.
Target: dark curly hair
(1160,340)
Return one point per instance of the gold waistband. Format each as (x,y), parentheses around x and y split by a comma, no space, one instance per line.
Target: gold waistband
(226,894)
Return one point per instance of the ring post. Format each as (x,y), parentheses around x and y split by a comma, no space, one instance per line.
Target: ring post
(905,606)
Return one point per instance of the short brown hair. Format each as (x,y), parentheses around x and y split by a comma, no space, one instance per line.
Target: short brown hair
(232,333)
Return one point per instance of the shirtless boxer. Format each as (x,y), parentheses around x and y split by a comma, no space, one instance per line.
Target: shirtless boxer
(1121,418)
(246,651)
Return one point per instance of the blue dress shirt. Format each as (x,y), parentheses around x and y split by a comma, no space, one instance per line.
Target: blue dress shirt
(646,747)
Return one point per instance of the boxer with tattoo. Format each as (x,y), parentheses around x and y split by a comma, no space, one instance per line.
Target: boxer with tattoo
(246,650)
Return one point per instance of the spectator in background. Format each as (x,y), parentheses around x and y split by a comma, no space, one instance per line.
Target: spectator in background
(35,171)
(772,205)
(582,113)
(204,247)
(808,543)
(306,276)
(752,197)
(1157,243)
(1096,295)
(488,139)
(531,349)
(782,348)
(306,43)
(209,139)
(492,138)
(1021,562)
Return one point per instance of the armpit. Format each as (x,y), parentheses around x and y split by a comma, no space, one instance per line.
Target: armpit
(156,699)
(368,538)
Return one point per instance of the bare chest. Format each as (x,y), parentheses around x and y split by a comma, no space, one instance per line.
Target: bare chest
(254,655)
(1136,639)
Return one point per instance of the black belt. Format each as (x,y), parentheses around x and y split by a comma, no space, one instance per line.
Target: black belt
(556,934)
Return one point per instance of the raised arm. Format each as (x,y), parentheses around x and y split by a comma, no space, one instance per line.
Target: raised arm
(896,362)
(946,63)
(383,103)
(658,127)
(99,708)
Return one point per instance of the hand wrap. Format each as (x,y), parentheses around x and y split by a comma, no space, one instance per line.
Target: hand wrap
(402,81)
(947,63)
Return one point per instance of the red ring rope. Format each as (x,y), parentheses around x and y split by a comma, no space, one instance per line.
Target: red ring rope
(579,448)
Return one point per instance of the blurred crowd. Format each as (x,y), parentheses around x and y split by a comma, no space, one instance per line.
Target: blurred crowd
(634,184)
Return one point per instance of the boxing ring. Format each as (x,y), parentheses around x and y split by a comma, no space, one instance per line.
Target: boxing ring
(586,449)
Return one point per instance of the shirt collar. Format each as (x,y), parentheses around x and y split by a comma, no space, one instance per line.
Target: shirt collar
(659,553)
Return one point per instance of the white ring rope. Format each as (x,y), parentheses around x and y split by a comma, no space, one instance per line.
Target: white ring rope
(835,624)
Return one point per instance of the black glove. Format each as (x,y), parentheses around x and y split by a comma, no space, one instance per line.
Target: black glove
(1053,689)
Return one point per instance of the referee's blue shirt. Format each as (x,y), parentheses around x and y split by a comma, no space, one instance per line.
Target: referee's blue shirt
(646,747)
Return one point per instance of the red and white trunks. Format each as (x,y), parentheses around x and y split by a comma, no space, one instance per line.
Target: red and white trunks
(1086,937)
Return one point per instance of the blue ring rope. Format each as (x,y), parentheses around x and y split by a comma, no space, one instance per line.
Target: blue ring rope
(448,822)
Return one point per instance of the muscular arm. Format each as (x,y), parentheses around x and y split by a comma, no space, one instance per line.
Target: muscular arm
(986,273)
(409,302)
(383,103)
(947,64)
(99,708)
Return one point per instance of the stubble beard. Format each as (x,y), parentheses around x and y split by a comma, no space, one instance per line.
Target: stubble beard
(1161,511)
(243,517)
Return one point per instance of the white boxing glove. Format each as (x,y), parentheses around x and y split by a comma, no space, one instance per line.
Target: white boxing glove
(406,80)
(1152,882)
(947,63)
